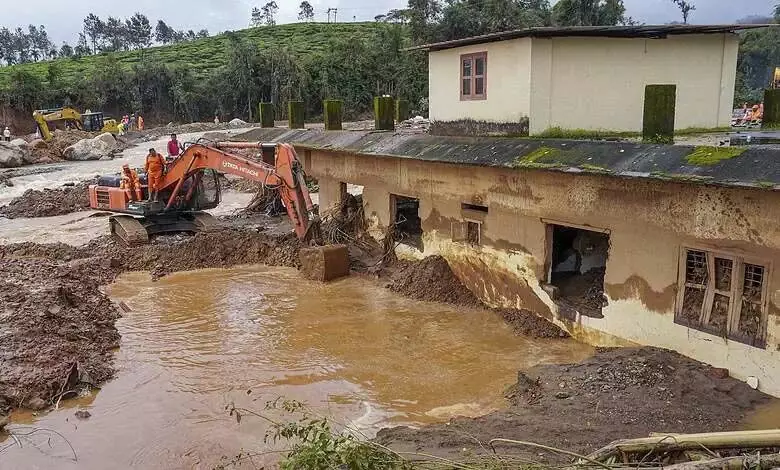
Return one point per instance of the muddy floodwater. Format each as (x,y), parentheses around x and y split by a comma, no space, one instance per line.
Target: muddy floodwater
(193,342)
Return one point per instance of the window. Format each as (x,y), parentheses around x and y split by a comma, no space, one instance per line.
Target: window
(724,295)
(473,76)
(406,217)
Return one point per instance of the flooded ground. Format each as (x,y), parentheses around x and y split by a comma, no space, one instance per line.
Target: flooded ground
(194,342)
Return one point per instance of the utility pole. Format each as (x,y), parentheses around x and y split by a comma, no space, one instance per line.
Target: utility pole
(335,11)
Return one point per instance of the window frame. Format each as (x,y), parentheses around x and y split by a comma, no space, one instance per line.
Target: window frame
(735,294)
(473,77)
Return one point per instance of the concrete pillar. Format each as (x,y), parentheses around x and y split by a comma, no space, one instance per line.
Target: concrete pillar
(330,192)
(267,114)
(401,110)
(296,112)
(332,111)
(658,122)
(383,113)
(771,109)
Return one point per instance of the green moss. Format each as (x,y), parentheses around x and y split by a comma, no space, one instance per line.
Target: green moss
(706,156)
(659,110)
(548,157)
(332,114)
(384,113)
(765,184)
(267,114)
(296,111)
(595,168)
(401,110)
(679,177)
(583,134)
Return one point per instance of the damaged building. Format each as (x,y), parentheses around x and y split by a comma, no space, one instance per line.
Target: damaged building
(619,243)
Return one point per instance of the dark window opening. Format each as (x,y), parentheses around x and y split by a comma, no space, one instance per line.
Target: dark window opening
(406,217)
(473,207)
(578,265)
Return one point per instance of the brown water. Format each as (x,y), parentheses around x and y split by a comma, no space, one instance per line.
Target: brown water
(194,342)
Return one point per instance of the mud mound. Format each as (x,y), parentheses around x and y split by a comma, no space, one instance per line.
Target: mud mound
(49,202)
(57,330)
(430,280)
(527,323)
(618,393)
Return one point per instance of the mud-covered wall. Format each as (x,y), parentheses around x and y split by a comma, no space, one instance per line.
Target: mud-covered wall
(649,222)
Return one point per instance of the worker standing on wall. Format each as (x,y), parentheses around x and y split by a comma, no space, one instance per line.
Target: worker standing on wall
(155,168)
(130,184)
(174,148)
(7,134)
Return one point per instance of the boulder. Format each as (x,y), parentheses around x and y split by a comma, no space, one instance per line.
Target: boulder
(12,156)
(19,142)
(108,139)
(237,123)
(87,149)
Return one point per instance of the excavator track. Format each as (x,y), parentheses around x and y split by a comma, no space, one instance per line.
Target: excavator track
(204,221)
(128,229)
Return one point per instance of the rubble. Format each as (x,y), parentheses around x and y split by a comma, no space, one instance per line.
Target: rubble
(417,122)
(237,123)
(49,202)
(580,407)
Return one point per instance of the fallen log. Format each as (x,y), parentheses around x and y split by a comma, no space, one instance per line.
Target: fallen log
(756,462)
(682,442)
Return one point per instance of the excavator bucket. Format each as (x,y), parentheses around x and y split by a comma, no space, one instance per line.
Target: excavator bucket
(324,263)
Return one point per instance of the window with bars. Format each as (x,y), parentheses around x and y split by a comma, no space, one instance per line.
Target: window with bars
(473,76)
(723,295)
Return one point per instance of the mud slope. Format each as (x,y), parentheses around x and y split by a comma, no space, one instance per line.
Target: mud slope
(432,280)
(616,394)
(58,329)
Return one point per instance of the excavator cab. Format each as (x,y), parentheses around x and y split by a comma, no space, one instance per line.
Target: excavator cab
(92,122)
(209,193)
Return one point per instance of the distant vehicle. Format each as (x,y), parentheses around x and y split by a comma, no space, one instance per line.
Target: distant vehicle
(91,122)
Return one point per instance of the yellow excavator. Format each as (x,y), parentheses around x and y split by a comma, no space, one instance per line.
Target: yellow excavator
(89,121)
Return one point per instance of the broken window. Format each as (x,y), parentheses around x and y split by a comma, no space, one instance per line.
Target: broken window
(473,232)
(723,295)
(577,269)
(406,217)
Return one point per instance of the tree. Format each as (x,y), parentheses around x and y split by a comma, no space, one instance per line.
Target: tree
(269,13)
(777,13)
(589,12)
(163,33)
(82,48)
(139,31)
(421,14)
(685,8)
(203,33)
(114,35)
(93,29)
(306,11)
(7,46)
(66,51)
(190,35)
(257,17)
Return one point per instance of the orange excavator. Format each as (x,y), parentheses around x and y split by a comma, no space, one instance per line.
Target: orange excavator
(190,185)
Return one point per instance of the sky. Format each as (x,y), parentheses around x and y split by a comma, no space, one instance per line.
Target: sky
(63,19)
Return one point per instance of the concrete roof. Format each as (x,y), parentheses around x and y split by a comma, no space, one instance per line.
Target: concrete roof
(756,166)
(645,31)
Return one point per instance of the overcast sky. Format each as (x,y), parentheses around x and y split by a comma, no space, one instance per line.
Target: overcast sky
(63,19)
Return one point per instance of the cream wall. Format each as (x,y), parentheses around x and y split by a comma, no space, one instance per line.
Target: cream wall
(508,83)
(599,83)
(590,83)
(649,222)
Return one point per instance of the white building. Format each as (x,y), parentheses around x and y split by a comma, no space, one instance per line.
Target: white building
(581,78)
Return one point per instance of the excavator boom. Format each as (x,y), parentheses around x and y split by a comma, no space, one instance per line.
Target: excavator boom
(184,175)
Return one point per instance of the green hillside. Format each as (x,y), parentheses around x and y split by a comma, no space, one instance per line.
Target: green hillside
(205,55)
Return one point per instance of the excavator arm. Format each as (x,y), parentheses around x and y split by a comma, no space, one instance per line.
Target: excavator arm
(44,116)
(286,175)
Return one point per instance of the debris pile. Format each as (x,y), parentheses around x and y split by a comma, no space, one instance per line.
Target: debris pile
(614,394)
(58,328)
(49,202)
(417,123)
(430,280)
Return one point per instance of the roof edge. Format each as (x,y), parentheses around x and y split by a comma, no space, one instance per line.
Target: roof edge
(624,32)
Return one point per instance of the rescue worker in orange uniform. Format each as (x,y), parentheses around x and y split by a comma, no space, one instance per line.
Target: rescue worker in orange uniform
(155,168)
(130,184)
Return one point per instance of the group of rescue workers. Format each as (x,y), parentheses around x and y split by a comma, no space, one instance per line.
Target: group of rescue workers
(155,168)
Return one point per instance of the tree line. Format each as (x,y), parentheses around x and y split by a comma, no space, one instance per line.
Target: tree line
(20,46)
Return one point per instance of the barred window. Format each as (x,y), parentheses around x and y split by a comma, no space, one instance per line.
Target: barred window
(723,295)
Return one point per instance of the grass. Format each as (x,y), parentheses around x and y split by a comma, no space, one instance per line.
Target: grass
(707,156)
(205,55)
(583,134)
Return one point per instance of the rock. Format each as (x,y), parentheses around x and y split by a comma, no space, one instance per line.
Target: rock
(106,158)
(108,139)
(237,122)
(82,414)
(87,149)
(19,142)
(12,156)
(43,160)
(562,395)
(752,382)
(35,404)
(4,421)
